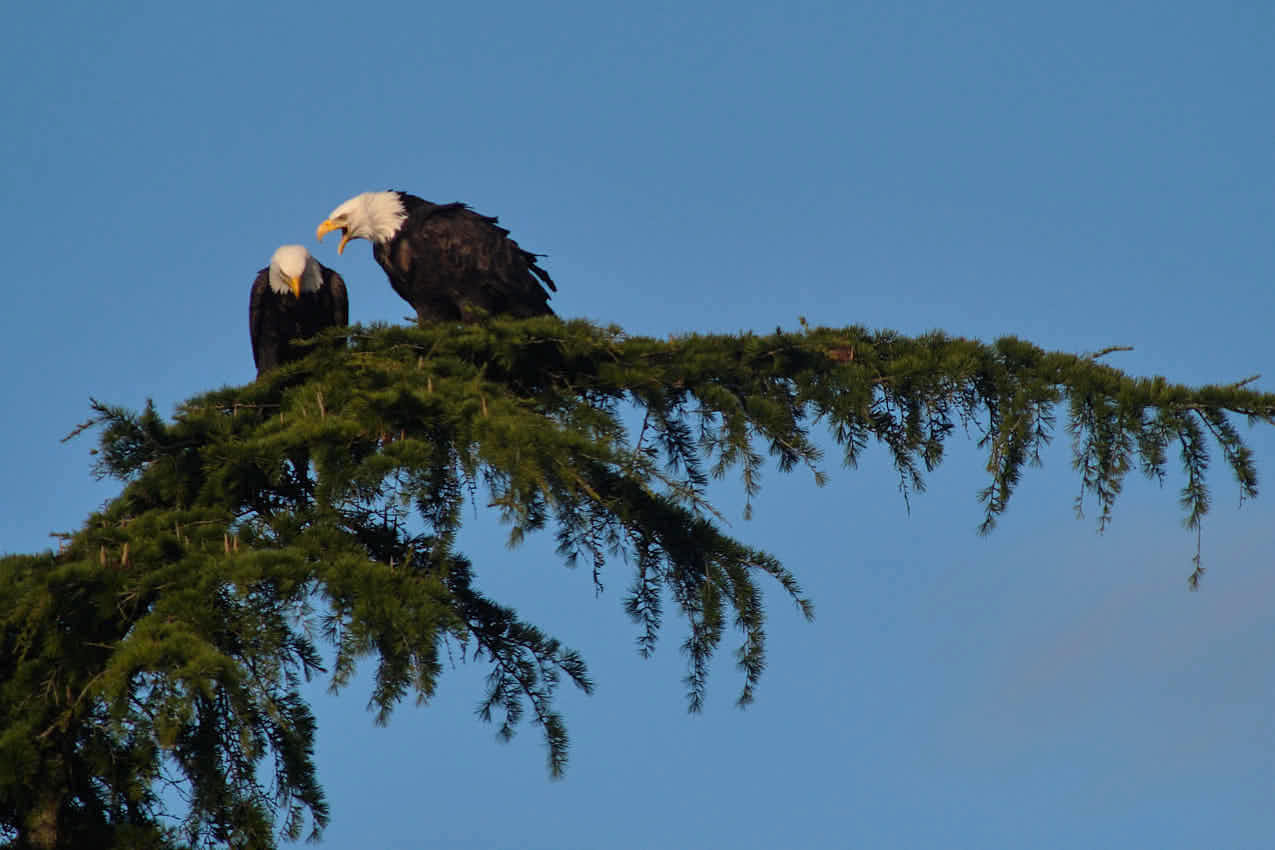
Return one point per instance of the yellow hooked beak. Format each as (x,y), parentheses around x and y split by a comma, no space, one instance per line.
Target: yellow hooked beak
(295,283)
(327,227)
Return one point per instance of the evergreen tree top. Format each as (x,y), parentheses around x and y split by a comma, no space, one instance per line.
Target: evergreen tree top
(321,504)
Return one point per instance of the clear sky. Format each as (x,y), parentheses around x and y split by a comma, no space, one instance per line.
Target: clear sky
(1082,174)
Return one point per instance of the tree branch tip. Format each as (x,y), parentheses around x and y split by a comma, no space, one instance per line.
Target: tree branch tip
(1111,349)
(81,428)
(1244,381)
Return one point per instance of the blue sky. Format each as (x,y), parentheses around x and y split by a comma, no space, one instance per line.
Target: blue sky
(1083,175)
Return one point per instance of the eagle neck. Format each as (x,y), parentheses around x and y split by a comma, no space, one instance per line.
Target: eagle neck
(384,213)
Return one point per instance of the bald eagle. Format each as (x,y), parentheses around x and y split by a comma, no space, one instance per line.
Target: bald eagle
(447,261)
(292,298)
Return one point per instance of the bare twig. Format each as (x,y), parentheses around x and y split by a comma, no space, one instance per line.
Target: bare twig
(81,428)
(1111,349)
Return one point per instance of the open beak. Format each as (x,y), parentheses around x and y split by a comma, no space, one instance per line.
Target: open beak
(327,227)
(295,283)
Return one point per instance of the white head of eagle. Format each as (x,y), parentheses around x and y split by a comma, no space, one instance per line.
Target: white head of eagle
(292,269)
(375,216)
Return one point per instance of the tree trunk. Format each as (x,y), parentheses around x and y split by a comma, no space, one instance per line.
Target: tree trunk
(42,823)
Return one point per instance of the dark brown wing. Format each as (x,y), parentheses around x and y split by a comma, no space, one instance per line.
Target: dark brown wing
(451,263)
(263,323)
(334,286)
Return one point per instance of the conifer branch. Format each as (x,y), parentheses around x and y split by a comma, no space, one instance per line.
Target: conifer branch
(239,560)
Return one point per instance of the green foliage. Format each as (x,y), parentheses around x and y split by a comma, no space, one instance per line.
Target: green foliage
(163,648)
